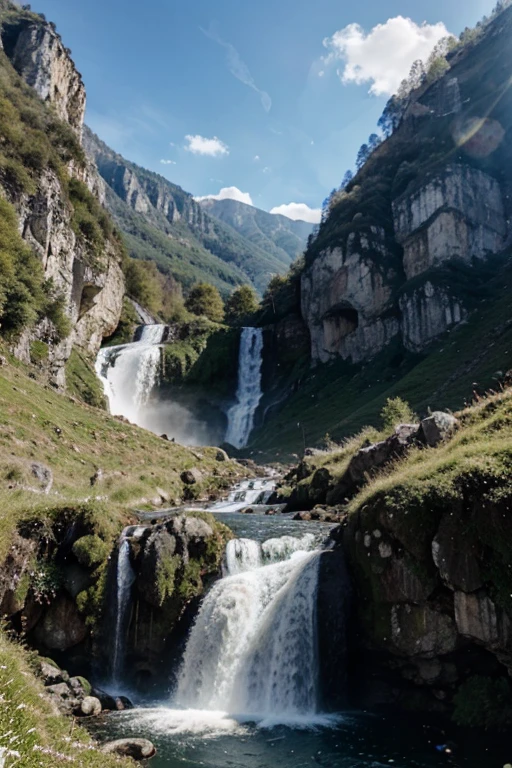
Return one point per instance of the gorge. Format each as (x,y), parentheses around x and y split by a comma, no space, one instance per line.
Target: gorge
(286,538)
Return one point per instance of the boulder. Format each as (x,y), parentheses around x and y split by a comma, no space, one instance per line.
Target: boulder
(455,554)
(478,618)
(191,476)
(107,701)
(418,630)
(159,547)
(63,697)
(90,706)
(62,627)
(123,703)
(43,475)
(437,427)
(51,674)
(137,749)
(221,455)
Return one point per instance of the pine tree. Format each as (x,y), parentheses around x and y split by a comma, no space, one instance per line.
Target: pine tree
(362,156)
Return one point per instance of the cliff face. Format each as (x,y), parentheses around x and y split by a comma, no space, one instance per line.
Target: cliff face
(433,197)
(87,277)
(39,56)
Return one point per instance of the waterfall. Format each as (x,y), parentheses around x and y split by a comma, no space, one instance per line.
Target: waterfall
(125,580)
(245,494)
(129,372)
(249,394)
(253,650)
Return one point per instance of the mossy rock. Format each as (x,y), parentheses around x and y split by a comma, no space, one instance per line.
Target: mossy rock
(91,551)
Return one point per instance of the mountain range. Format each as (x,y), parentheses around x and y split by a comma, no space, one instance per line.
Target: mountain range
(221,242)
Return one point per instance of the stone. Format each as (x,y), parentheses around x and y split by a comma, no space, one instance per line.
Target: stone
(418,630)
(165,497)
(137,749)
(51,674)
(62,627)
(97,477)
(437,427)
(90,706)
(123,703)
(221,455)
(478,618)
(63,697)
(43,474)
(191,476)
(107,701)
(158,547)
(455,554)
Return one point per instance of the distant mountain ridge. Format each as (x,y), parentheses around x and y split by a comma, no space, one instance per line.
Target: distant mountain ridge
(163,223)
(283,237)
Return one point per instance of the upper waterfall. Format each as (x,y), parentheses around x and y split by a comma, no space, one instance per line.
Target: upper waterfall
(249,394)
(129,372)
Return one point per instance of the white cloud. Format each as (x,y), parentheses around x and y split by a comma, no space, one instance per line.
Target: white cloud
(239,68)
(267,169)
(168,162)
(257,158)
(229,193)
(382,57)
(199,145)
(299,212)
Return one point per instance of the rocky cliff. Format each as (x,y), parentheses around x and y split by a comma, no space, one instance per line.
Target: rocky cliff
(56,192)
(435,195)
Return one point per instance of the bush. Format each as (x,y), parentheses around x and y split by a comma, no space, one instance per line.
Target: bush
(204,299)
(91,551)
(395,412)
(242,303)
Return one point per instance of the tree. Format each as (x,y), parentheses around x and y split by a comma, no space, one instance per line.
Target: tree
(395,412)
(362,156)
(417,74)
(204,299)
(373,142)
(242,303)
(392,115)
(326,205)
(144,284)
(347,179)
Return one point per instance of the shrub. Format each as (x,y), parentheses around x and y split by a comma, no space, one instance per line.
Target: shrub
(204,299)
(395,412)
(242,303)
(91,551)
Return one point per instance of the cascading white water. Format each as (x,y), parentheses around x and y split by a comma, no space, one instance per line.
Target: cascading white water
(125,580)
(252,650)
(246,493)
(249,394)
(129,372)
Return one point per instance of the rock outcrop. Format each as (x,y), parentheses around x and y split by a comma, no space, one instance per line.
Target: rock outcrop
(38,54)
(90,283)
(391,259)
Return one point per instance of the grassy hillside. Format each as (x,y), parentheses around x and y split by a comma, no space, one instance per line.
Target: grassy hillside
(284,238)
(340,398)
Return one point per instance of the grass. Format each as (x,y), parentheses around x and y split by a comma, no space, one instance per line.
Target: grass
(480,452)
(30,732)
(75,440)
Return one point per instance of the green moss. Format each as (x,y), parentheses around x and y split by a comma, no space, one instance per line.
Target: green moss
(85,685)
(191,583)
(82,382)
(39,352)
(166,577)
(91,551)
(484,702)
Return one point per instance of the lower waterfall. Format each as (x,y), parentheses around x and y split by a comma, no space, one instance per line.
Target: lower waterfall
(124,581)
(249,394)
(129,372)
(253,650)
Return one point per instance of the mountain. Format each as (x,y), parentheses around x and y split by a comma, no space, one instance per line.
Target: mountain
(162,222)
(284,238)
(404,290)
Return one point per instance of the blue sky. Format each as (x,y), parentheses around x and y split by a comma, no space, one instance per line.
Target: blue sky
(245,94)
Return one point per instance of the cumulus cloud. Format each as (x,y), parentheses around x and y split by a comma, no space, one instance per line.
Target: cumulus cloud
(383,56)
(229,193)
(199,145)
(168,162)
(238,67)
(299,212)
